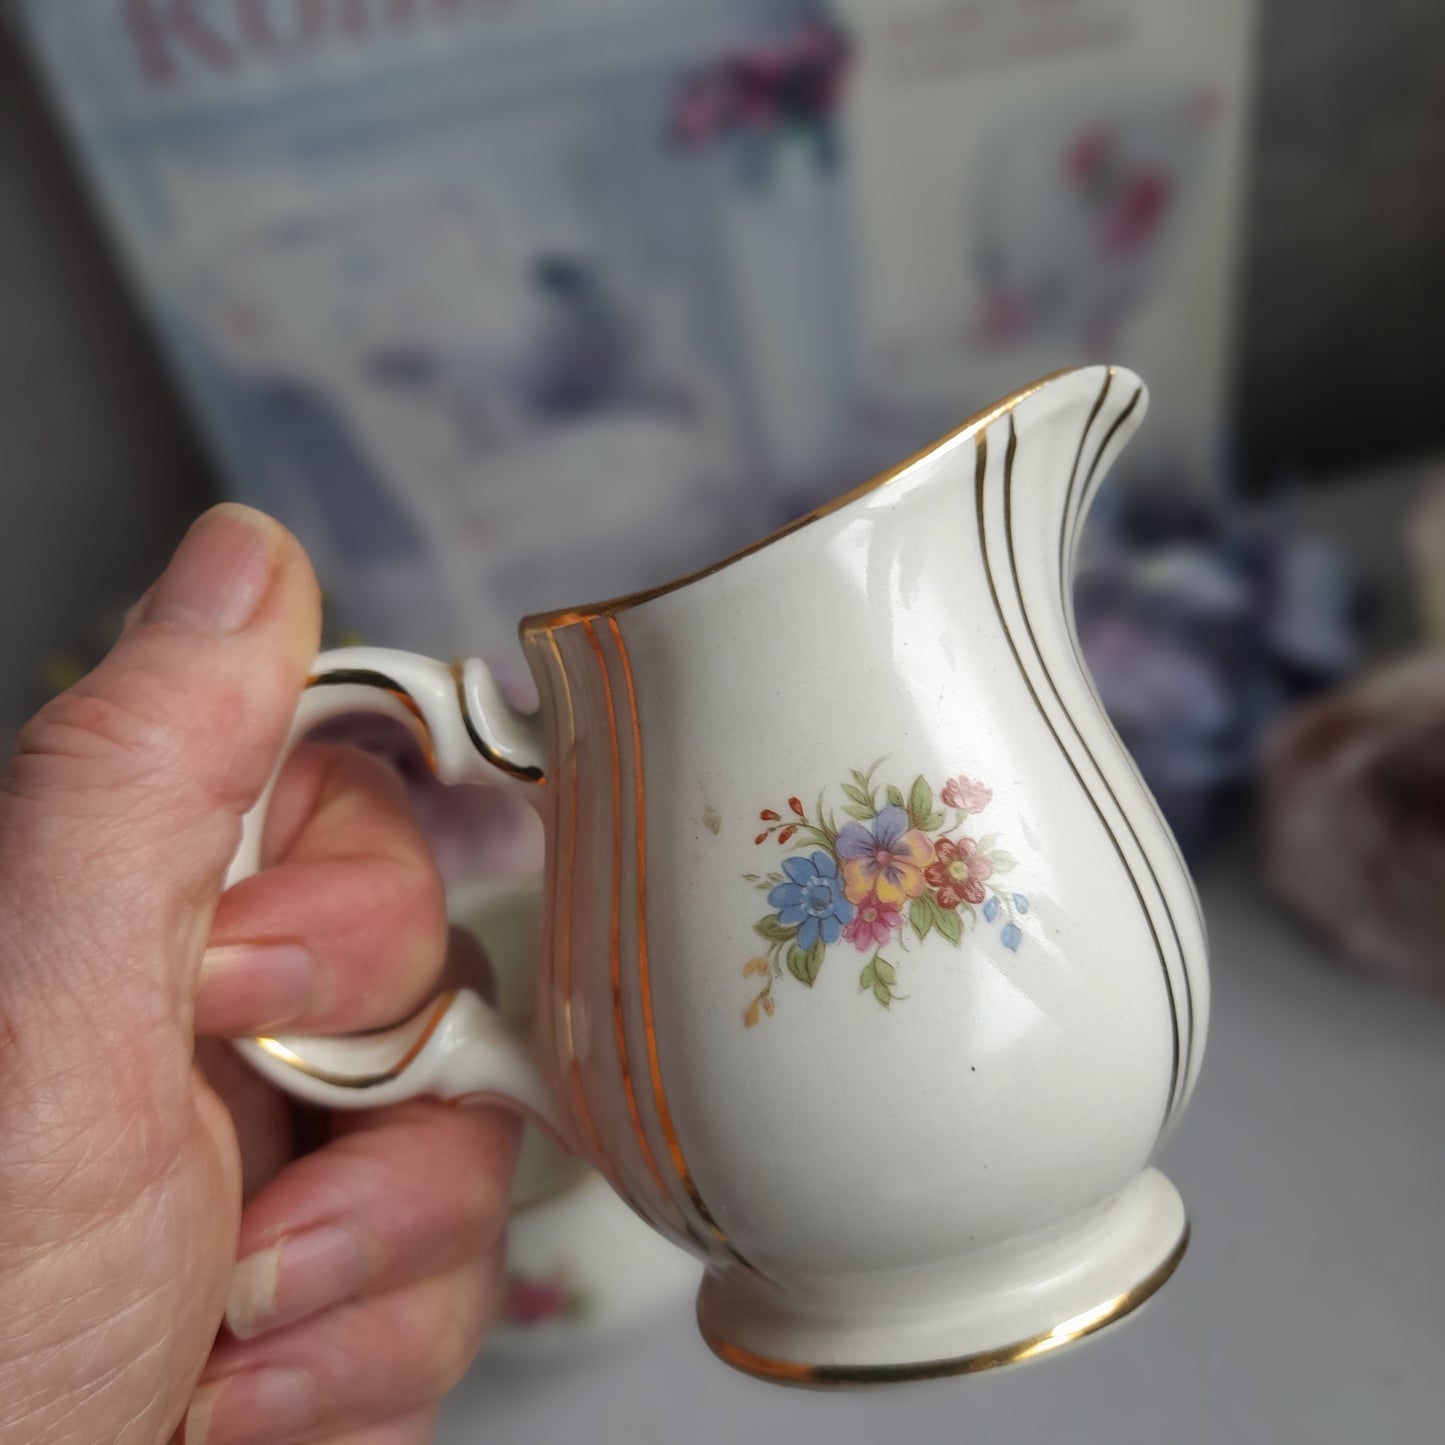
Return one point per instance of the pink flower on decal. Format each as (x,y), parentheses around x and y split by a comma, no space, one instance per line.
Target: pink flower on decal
(967,794)
(873,925)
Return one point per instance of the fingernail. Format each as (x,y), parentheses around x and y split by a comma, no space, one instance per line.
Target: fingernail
(219,574)
(259,1406)
(294,1278)
(250,987)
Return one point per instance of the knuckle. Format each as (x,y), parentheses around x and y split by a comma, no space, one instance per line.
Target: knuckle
(484,1213)
(122,744)
(159,708)
(362,798)
(407,906)
(84,733)
(456,1349)
(409,886)
(94,774)
(355,767)
(446,1324)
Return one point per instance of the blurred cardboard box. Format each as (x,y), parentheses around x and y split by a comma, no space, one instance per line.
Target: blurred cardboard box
(509,304)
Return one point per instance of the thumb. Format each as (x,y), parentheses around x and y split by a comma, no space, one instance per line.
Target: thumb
(120,810)
(120,1191)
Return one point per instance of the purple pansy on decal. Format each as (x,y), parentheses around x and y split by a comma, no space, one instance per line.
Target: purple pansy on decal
(885,857)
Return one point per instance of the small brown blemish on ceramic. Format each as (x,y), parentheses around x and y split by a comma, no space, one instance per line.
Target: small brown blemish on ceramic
(712,819)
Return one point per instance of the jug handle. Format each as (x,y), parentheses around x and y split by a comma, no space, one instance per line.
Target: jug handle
(458,1046)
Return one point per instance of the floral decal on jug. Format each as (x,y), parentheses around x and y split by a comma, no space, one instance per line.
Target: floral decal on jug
(900,867)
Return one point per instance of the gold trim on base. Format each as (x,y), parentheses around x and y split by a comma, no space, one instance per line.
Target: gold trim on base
(821,1377)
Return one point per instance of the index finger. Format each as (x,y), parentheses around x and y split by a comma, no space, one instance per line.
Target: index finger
(346,929)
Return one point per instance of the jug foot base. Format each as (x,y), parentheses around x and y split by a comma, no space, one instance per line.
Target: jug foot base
(1000,1306)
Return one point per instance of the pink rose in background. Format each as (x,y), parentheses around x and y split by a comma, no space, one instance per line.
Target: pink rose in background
(966,794)
(1086,153)
(1005,314)
(698,115)
(1135,213)
(1206,106)
(765,92)
(535,1301)
(1354,819)
(873,924)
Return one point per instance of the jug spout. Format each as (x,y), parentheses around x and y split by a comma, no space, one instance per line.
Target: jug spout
(1074,424)
(1039,460)
(1102,406)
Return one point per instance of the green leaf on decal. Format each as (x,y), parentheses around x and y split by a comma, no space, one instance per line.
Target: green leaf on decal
(920,801)
(921,915)
(774,930)
(804,963)
(826,823)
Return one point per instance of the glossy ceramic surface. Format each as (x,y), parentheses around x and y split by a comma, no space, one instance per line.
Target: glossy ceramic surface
(579,1264)
(871,974)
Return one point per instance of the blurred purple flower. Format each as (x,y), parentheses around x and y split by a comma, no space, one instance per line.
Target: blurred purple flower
(1199,630)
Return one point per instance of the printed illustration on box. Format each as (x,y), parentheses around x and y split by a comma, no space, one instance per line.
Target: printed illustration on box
(416,369)
(470,379)
(1074,213)
(764,121)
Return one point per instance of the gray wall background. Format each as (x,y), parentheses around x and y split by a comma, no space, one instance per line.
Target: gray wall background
(1341,342)
(99,470)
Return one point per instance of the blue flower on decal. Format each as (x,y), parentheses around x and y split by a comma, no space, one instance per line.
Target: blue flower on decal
(990,909)
(1011,936)
(812,899)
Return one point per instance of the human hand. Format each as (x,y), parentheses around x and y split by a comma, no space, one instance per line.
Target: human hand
(368,1268)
